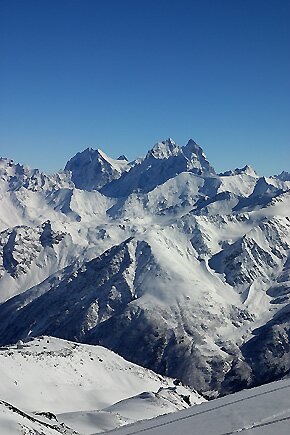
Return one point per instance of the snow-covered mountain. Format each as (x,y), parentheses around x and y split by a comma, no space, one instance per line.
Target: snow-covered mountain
(173,266)
(93,169)
(69,386)
(164,161)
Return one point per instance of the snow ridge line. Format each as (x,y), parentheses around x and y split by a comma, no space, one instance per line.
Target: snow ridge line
(29,417)
(186,417)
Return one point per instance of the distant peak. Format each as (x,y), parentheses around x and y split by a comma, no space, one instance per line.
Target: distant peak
(122,157)
(92,169)
(103,154)
(247,170)
(168,141)
(4,162)
(164,149)
(88,150)
(193,148)
(284,176)
(192,142)
(196,157)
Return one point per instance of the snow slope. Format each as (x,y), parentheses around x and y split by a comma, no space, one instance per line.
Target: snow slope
(173,266)
(264,410)
(89,388)
(14,421)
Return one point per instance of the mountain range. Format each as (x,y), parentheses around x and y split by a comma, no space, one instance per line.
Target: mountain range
(173,266)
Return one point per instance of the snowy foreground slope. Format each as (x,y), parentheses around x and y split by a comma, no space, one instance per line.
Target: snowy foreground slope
(162,260)
(85,388)
(263,410)
(260,411)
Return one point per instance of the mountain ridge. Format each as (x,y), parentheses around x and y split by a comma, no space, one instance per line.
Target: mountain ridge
(162,259)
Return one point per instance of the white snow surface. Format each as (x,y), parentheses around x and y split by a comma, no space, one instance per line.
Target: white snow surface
(89,388)
(263,410)
(163,260)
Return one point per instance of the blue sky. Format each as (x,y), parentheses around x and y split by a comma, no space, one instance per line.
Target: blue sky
(123,74)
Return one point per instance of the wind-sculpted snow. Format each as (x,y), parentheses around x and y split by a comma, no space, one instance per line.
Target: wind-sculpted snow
(163,260)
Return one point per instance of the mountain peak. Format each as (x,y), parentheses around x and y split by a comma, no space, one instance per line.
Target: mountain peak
(164,161)
(283,176)
(193,147)
(246,170)
(196,158)
(164,149)
(122,157)
(92,169)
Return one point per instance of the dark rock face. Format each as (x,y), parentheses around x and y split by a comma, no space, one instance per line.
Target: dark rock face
(22,245)
(104,302)
(140,337)
(268,353)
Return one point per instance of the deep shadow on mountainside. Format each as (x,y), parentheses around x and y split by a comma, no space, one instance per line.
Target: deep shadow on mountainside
(162,260)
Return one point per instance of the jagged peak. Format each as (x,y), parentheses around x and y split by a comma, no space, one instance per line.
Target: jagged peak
(164,149)
(91,154)
(88,150)
(266,186)
(92,169)
(6,161)
(169,147)
(283,176)
(169,141)
(196,157)
(122,157)
(104,155)
(193,148)
(247,170)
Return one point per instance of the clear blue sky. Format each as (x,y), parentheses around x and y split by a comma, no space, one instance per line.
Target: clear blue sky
(121,75)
